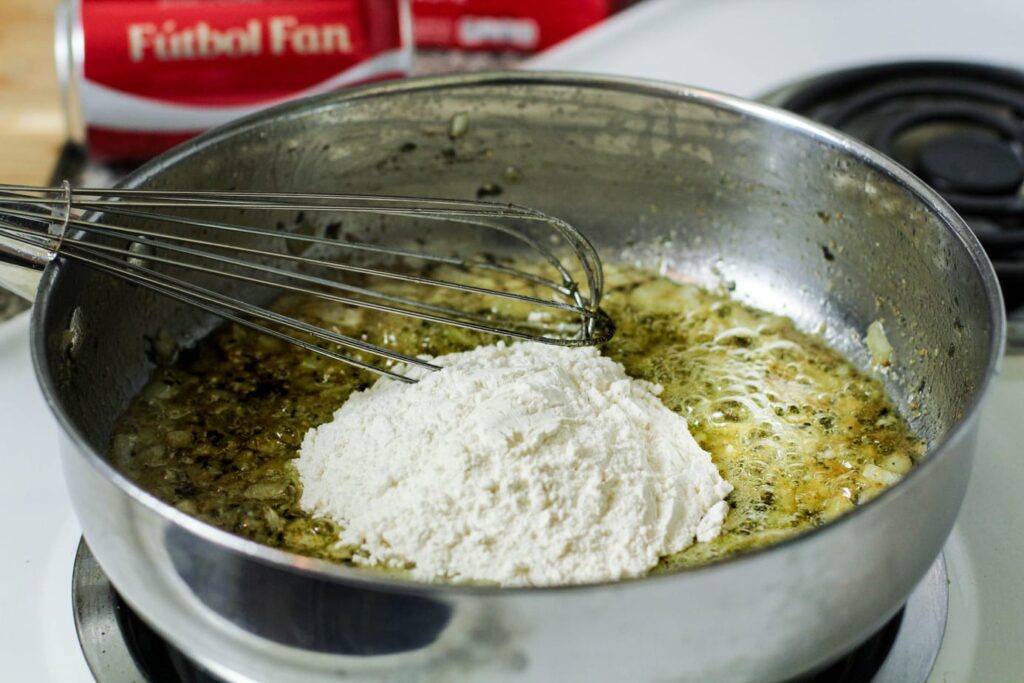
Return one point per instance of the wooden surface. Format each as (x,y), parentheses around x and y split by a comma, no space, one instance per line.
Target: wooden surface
(31,118)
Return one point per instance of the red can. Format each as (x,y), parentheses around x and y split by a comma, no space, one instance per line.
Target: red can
(139,76)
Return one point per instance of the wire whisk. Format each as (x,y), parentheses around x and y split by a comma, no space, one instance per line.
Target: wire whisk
(164,239)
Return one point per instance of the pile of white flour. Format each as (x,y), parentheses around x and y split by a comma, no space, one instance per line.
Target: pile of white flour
(526,464)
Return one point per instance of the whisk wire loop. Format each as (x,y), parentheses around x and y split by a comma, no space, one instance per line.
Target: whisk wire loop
(143,229)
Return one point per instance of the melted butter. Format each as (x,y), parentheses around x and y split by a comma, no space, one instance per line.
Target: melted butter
(795,428)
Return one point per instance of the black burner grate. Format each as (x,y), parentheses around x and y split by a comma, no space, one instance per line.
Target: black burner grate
(959,126)
(156,659)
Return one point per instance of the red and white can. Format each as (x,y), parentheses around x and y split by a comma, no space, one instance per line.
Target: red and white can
(139,76)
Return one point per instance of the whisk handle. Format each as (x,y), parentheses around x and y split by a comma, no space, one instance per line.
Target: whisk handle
(21,266)
(22,261)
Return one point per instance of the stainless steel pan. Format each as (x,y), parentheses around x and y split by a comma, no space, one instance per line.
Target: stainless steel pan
(708,186)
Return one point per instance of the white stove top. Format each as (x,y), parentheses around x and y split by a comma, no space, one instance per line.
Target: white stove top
(37,628)
(746,47)
(749,47)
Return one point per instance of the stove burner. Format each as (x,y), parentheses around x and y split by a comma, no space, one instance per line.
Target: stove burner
(120,647)
(157,660)
(959,126)
(970,163)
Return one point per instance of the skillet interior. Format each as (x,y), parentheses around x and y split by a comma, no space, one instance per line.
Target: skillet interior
(707,194)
